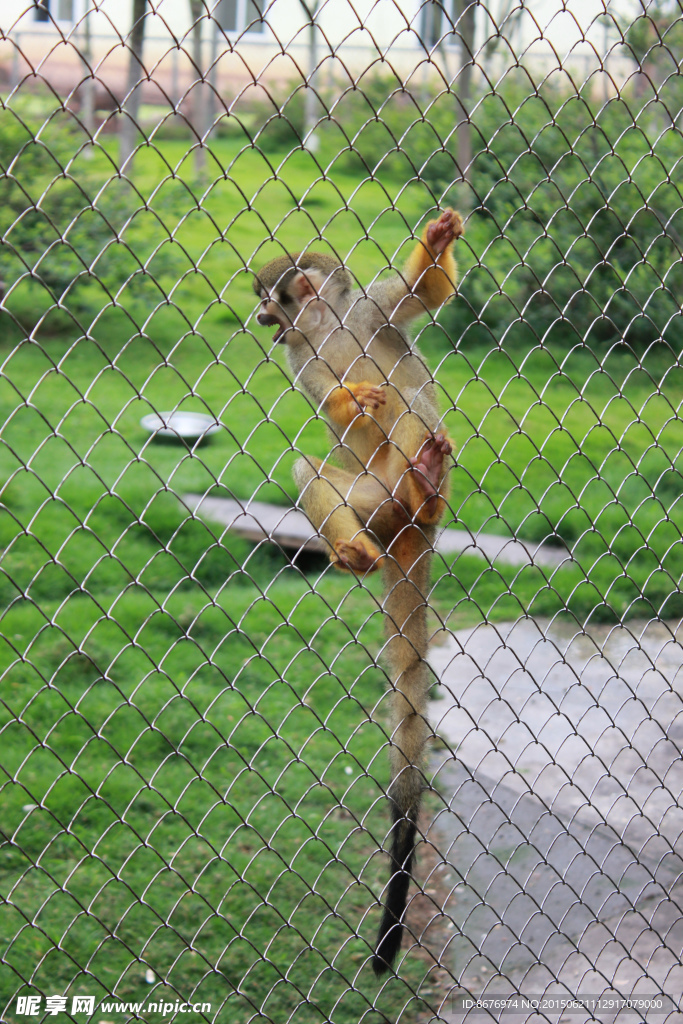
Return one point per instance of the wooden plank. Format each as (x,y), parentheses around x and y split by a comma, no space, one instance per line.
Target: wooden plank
(289,527)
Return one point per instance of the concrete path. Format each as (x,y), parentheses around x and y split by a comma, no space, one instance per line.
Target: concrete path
(562,780)
(564,821)
(290,528)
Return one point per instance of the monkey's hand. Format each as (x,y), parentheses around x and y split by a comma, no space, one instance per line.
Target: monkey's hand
(443,232)
(428,472)
(349,401)
(367,396)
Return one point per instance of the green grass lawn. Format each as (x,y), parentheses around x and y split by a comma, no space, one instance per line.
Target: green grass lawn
(192,730)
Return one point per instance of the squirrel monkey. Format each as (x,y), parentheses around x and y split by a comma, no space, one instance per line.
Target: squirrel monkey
(379,502)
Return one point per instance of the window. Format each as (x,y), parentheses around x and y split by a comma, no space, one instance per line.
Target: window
(240,15)
(53,10)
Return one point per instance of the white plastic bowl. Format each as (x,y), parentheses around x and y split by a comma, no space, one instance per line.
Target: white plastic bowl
(188,426)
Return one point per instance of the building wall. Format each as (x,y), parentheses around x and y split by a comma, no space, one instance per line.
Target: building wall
(353,36)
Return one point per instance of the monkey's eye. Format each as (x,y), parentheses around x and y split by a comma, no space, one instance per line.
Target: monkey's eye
(284,299)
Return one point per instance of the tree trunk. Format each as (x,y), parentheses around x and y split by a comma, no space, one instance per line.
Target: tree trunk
(200,97)
(311,100)
(466,29)
(129,123)
(88,87)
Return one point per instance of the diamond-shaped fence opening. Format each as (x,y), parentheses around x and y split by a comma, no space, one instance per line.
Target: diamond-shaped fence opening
(199,711)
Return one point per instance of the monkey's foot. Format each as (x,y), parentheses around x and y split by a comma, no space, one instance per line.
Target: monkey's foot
(428,470)
(355,556)
(442,232)
(368,396)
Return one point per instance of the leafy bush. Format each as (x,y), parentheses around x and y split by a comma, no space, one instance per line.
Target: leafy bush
(585,221)
(270,120)
(579,219)
(62,224)
(381,128)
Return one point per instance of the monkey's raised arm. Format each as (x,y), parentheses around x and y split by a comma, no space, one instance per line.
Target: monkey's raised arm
(429,276)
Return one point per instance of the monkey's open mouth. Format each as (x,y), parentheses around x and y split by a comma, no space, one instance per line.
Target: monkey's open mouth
(266,320)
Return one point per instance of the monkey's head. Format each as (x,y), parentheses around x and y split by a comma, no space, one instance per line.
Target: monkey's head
(297,281)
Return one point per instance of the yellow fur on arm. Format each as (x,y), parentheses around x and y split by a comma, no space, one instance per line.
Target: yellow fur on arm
(432,278)
(338,405)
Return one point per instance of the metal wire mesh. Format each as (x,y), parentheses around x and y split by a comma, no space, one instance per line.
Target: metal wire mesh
(194,705)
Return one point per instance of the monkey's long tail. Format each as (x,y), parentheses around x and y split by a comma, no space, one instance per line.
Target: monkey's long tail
(406,578)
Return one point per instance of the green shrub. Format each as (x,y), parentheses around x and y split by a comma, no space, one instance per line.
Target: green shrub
(583,221)
(578,224)
(272,121)
(68,234)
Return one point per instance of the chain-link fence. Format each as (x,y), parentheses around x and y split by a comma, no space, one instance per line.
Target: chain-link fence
(195,703)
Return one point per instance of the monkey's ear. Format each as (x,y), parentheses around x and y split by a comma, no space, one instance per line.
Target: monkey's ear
(307,284)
